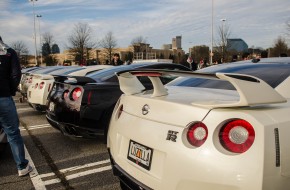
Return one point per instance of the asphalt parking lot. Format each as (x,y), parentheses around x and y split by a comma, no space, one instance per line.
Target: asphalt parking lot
(60,162)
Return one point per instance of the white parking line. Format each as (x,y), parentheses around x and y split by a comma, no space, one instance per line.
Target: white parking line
(85,166)
(35,127)
(23,109)
(80,174)
(40,184)
(77,168)
(35,178)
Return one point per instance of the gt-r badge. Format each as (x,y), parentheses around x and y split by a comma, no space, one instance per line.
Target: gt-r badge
(145,109)
(172,136)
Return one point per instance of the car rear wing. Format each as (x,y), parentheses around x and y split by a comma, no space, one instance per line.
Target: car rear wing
(42,76)
(73,79)
(252,90)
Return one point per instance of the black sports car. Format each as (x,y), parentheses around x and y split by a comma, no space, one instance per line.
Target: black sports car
(82,106)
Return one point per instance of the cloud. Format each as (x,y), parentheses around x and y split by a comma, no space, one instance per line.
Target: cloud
(158,20)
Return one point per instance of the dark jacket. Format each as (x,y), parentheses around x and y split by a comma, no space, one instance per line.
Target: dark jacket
(10,73)
(119,62)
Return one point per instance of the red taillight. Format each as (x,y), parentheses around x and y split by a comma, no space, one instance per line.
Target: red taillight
(36,85)
(41,85)
(65,93)
(76,93)
(237,136)
(89,97)
(197,134)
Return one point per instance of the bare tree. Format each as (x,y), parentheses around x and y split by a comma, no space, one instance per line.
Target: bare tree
(288,27)
(109,43)
(138,42)
(80,41)
(280,48)
(47,43)
(222,44)
(138,39)
(48,38)
(20,48)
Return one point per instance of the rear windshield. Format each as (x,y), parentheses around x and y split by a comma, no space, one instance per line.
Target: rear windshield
(105,74)
(273,74)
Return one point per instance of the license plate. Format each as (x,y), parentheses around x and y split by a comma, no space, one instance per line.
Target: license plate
(51,106)
(140,154)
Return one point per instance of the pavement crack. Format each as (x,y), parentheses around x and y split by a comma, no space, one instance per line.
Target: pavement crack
(48,158)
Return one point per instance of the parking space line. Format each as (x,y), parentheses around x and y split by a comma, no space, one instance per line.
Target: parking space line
(80,174)
(24,109)
(35,127)
(84,166)
(52,181)
(34,176)
(76,168)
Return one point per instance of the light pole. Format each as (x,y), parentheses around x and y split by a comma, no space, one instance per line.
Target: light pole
(146,54)
(223,38)
(35,57)
(211,47)
(40,42)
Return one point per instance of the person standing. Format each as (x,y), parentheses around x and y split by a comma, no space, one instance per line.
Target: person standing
(10,75)
(116,60)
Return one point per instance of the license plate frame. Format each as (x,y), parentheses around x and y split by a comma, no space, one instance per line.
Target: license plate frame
(140,154)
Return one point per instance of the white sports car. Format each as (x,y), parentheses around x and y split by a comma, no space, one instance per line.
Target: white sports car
(26,78)
(225,127)
(42,83)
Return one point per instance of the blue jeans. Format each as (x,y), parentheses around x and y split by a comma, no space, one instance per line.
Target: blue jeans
(10,123)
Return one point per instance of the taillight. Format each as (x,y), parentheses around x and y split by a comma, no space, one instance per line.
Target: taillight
(89,97)
(76,93)
(197,134)
(65,93)
(36,85)
(237,136)
(41,85)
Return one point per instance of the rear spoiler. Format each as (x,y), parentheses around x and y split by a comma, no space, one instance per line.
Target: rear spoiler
(42,76)
(252,90)
(74,79)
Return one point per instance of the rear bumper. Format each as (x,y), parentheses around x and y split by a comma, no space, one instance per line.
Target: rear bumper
(73,130)
(126,179)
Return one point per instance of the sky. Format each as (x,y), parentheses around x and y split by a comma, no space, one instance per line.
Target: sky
(258,22)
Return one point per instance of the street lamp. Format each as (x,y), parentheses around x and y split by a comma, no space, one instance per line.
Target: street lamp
(211,53)
(40,42)
(223,37)
(146,54)
(35,57)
